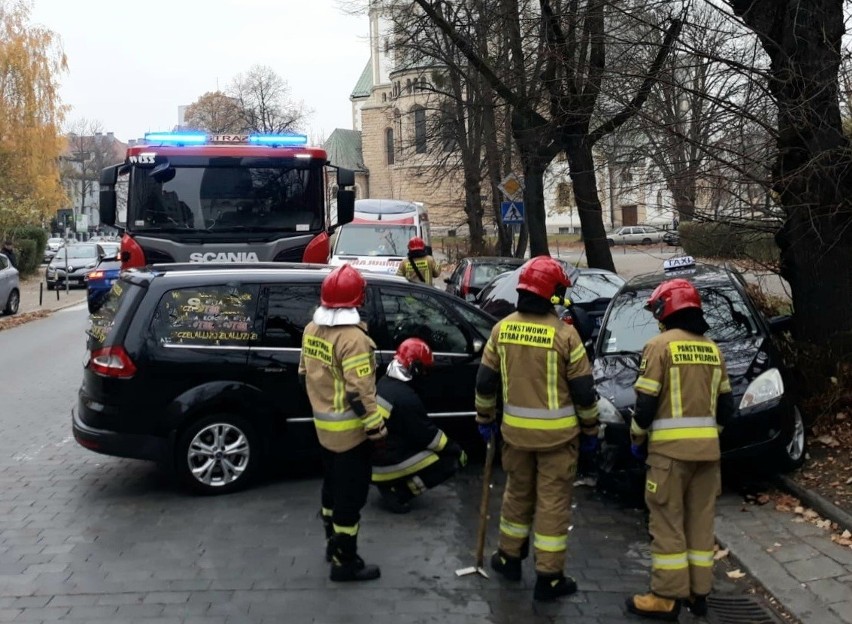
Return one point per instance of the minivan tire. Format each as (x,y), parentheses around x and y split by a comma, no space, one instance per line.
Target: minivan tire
(610,242)
(216,438)
(12,303)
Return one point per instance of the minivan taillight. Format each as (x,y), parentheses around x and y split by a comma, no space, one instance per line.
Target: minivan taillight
(112,362)
(465,281)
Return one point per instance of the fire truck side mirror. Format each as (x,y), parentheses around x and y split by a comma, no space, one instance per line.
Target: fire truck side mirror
(108,179)
(345,206)
(345,177)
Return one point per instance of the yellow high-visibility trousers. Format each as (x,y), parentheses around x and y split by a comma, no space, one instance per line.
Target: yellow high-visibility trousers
(681,497)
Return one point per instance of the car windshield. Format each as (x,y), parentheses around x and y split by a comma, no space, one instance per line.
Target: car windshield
(78,251)
(629,326)
(217,198)
(592,286)
(361,240)
(484,273)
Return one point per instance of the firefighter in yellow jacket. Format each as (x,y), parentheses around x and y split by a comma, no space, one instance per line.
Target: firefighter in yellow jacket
(338,369)
(419,266)
(549,416)
(683,396)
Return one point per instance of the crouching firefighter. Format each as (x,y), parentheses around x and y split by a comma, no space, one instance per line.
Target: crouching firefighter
(682,394)
(338,370)
(547,384)
(416,455)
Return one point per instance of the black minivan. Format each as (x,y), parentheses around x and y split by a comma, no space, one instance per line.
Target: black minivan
(196,367)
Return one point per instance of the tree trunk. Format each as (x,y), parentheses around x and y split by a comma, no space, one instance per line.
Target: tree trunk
(473,210)
(684,194)
(534,167)
(492,158)
(812,169)
(589,208)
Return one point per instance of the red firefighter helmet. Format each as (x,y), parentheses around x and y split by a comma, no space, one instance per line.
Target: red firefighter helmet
(414,353)
(673,296)
(543,276)
(344,287)
(416,244)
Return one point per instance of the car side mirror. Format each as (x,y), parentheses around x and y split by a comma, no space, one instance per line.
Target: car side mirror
(778,324)
(478,346)
(447,280)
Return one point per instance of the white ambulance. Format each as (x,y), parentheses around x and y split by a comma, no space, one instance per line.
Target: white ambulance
(377,238)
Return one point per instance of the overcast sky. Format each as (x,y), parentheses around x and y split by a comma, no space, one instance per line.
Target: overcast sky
(131,64)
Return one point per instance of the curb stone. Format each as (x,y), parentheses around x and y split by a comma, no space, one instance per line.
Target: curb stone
(795,598)
(817,502)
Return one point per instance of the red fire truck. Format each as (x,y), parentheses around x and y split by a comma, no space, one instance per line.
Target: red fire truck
(193,197)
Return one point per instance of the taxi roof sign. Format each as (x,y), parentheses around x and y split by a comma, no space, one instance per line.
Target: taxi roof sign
(681,262)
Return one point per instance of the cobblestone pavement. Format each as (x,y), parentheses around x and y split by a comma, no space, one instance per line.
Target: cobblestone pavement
(796,562)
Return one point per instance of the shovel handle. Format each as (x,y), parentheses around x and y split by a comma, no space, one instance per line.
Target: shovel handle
(483,501)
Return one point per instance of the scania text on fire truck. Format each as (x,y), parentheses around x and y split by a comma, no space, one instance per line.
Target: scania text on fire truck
(193,197)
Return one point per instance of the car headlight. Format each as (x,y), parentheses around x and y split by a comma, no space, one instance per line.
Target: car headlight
(608,413)
(763,388)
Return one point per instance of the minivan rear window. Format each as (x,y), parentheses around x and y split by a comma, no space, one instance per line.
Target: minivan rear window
(218,315)
(120,298)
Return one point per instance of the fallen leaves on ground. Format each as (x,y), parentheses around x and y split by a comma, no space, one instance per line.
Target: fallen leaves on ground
(14,321)
(736,574)
(721,554)
(790,504)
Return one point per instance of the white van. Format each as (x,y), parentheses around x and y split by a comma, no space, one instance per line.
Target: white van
(377,239)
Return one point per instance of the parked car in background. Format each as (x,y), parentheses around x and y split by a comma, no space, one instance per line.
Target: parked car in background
(767,425)
(590,292)
(635,235)
(10,287)
(53,244)
(108,249)
(72,263)
(197,366)
(99,280)
(672,237)
(471,274)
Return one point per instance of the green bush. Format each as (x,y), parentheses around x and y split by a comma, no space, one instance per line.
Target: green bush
(722,240)
(33,233)
(29,256)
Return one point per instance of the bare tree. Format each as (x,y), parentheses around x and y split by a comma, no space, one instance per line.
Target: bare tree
(214,112)
(89,149)
(812,172)
(264,102)
(552,80)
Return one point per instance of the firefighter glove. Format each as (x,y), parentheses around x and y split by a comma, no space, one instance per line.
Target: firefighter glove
(487,430)
(639,451)
(589,445)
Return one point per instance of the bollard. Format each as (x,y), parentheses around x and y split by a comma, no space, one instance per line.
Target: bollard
(56,288)
(40,293)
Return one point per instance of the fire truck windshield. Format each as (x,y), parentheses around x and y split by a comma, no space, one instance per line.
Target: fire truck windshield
(233,195)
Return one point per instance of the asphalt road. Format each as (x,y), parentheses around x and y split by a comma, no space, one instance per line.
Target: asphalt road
(89,538)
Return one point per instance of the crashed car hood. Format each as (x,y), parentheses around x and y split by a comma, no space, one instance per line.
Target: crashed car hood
(615,374)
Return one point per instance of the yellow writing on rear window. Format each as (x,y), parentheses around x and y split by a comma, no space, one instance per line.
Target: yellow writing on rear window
(694,352)
(527,334)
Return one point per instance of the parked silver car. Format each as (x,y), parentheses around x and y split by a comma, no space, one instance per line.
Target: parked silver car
(10,288)
(635,235)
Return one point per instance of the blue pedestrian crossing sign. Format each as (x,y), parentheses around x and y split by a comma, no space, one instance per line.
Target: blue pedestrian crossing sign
(512,212)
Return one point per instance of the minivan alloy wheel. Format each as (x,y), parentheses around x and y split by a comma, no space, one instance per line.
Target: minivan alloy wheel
(218,455)
(796,445)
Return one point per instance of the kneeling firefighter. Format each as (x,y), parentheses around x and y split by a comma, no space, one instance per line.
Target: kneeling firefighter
(416,455)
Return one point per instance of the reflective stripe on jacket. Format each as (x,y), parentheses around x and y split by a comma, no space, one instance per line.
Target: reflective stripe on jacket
(686,372)
(340,374)
(536,356)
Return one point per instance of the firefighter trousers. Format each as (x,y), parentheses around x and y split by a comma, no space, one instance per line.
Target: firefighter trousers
(345,486)
(537,501)
(413,485)
(681,497)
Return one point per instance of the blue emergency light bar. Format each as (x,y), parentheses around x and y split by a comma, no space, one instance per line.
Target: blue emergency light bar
(278,139)
(200,138)
(176,138)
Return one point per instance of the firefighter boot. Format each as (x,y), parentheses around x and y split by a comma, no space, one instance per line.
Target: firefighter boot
(651,605)
(329,533)
(553,586)
(394,500)
(507,565)
(346,565)
(697,605)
